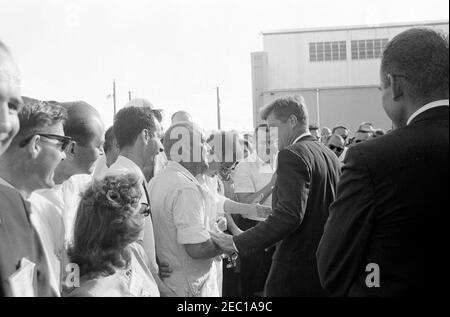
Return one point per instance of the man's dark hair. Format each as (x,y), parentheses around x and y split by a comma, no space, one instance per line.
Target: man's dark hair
(130,121)
(313,127)
(78,124)
(339,127)
(37,114)
(284,107)
(420,57)
(109,139)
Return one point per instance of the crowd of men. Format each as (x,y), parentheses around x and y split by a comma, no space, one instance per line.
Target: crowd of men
(292,210)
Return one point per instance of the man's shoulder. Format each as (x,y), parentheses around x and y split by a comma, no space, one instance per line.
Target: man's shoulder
(9,197)
(172,179)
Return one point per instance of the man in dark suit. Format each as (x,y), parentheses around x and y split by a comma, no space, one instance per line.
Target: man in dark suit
(387,234)
(307,177)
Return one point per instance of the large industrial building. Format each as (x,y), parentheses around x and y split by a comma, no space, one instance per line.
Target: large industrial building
(336,70)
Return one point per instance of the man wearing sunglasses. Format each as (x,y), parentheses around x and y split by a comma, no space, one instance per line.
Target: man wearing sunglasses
(337,144)
(26,166)
(56,207)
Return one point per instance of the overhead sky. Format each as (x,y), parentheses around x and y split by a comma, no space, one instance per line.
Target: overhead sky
(171,52)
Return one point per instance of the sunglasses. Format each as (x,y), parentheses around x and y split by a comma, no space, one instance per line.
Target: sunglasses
(332,148)
(64,140)
(146,211)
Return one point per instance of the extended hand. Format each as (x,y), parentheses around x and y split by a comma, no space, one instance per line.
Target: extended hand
(263,211)
(223,241)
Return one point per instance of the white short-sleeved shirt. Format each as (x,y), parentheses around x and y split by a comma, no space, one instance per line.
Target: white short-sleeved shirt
(180,215)
(252,175)
(66,198)
(49,223)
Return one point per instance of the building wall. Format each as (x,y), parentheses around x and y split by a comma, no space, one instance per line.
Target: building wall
(340,106)
(348,91)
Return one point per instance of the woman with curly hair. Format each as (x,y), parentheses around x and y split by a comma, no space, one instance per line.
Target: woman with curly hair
(109,221)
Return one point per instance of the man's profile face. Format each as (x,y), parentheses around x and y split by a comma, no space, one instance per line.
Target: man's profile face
(389,105)
(87,155)
(49,156)
(10,100)
(154,145)
(284,130)
(342,132)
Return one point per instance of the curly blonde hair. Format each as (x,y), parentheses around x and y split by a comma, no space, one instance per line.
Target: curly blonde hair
(106,224)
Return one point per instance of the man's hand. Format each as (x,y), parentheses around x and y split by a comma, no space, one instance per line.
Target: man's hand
(164,270)
(263,211)
(221,223)
(259,211)
(223,241)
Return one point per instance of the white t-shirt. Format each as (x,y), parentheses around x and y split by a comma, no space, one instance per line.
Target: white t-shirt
(252,175)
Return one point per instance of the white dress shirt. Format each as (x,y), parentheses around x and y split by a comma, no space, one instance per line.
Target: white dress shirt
(428,106)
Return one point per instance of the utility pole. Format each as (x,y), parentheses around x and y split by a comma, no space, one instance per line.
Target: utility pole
(114,96)
(218,108)
(129,95)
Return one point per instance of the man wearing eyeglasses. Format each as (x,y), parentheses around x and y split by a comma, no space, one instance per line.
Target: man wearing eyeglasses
(55,208)
(26,166)
(387,233)
(337,144)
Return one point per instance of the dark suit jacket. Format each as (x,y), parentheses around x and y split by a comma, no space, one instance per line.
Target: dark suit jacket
(18,239)
(307,177)
(392,210)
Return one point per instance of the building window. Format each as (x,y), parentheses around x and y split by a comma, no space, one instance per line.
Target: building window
(328,51)
(368,49)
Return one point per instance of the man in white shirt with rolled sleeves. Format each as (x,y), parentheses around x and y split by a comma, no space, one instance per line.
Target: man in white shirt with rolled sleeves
(254,179)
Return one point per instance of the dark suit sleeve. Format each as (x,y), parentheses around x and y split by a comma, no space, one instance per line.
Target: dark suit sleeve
(342,250)
(292,189)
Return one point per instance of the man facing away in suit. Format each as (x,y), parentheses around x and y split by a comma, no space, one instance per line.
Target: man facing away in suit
(387,234)
(307,177)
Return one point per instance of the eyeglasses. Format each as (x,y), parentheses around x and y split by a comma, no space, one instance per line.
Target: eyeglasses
(332,148)
(145,209)
(64,140)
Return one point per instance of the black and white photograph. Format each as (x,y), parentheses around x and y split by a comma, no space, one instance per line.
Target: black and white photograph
(233,151)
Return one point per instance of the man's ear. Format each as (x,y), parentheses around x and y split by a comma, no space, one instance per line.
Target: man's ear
(71,150)
(396,84)
(34,147)
(145,135)
(293,121)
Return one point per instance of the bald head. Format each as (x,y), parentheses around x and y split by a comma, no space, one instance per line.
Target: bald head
(83,122)
(181,116)
(184,143)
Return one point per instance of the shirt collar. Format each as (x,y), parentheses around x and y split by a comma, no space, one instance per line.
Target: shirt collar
(301,136)
(179,168)
(428,106)
(126,163)
(5,183)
